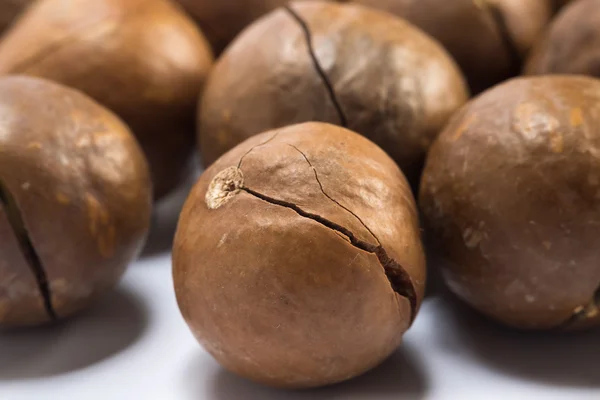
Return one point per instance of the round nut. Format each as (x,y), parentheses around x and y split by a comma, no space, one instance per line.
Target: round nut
(297,260)
(511,202)
(570,44)
(75,200)
(488,38)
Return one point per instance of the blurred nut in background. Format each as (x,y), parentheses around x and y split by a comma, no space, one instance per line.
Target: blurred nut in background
(223,20)
(10,10)
(511,202)
(143,59)
(298,261)
(558,4)
(75,199)
(488,38)
(572,44)
(337,63)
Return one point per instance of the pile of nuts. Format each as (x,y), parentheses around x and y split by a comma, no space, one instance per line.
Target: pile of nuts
(299,260)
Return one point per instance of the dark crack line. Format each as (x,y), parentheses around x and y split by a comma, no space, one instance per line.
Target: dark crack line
(317,65)
(397,276)
(15,219)
(500,21)
(331,198)
(258,145)
(589,310)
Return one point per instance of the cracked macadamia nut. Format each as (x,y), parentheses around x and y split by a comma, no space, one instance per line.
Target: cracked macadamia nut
(339,63)
(143,59)
(223,20)
(511,202)
(488,38)
(571,44)
(75,200)
(298,261)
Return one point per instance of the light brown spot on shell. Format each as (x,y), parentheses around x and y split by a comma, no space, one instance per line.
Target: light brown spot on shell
(100,226)
(463,127)
(576,117)
(62,198)
(225,185)
(557,142)
(34,145)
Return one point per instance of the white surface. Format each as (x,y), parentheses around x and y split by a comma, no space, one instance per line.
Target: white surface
(135,345)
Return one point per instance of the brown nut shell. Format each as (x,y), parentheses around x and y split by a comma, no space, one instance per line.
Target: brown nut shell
(488,38)
(297,260)
(337,63)
(75,200)
(143,59)
(511,202)
(223,20)
(10,10)
(571,44)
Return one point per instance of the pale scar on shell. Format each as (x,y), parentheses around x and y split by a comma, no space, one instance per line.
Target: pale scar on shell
(225,186)
(100,226)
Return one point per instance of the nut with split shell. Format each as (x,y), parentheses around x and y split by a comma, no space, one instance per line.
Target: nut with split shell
(297,260)
(75,201)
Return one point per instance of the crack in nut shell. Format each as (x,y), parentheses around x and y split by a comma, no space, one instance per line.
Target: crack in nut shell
(226,185)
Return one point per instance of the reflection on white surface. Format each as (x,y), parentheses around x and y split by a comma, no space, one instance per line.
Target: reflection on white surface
(135,345)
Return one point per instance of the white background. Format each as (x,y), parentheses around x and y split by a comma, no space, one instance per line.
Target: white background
(134,345)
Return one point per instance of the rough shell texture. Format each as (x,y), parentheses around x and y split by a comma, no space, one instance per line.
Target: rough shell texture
(488,38)
(223,20)
(336,63)
(143,59)
(511,202)
(571,44)
(75,199)
(298,261)
(10,10)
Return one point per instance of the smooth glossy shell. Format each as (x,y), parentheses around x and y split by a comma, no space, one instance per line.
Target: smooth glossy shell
(511,202)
